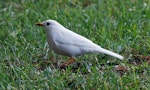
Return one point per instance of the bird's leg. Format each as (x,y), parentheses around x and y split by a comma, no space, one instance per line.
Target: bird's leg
(65,64)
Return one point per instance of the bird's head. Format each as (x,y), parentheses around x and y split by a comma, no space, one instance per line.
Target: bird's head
(49,24)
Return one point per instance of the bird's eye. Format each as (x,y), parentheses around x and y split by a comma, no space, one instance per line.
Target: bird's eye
(47,23)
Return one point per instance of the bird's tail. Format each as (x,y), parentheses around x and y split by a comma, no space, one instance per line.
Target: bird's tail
(102,50)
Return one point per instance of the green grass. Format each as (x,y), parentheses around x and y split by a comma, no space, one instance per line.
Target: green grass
(122,26)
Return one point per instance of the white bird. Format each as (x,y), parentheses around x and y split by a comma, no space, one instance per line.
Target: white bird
(65,42)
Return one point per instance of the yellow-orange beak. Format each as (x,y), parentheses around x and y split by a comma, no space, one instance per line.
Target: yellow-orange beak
(39,24)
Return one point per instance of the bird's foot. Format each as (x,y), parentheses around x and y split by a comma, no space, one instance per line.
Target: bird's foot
(67,63)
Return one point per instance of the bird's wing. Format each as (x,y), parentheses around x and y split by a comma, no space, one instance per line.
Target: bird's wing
(73,44)
(71,38)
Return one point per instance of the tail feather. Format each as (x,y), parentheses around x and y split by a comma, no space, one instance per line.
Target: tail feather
(102,50)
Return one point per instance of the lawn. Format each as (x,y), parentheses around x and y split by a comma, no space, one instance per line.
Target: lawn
(122,26)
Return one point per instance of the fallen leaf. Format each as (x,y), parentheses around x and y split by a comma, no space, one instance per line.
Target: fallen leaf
(148,62)
(121,68)
(146,58)
(139,59)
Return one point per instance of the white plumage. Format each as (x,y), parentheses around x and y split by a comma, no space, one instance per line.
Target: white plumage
(65,42)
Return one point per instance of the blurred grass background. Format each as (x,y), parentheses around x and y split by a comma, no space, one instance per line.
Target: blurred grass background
(122,26)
